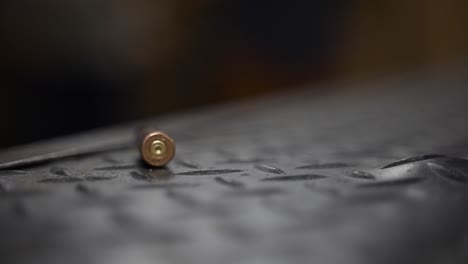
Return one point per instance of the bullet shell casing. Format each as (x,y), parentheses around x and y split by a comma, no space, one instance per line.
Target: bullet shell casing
(156,148)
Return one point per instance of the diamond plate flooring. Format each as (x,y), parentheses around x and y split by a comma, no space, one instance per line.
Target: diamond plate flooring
(377,175)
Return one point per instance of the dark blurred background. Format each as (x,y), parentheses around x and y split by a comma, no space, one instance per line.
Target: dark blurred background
(69,66)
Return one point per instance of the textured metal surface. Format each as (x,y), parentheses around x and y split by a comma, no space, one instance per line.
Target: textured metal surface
(361,178)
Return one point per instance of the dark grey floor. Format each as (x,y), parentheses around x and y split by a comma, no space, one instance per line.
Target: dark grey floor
(297,178)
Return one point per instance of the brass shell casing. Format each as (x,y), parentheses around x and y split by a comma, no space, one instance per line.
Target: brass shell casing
(156,148)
